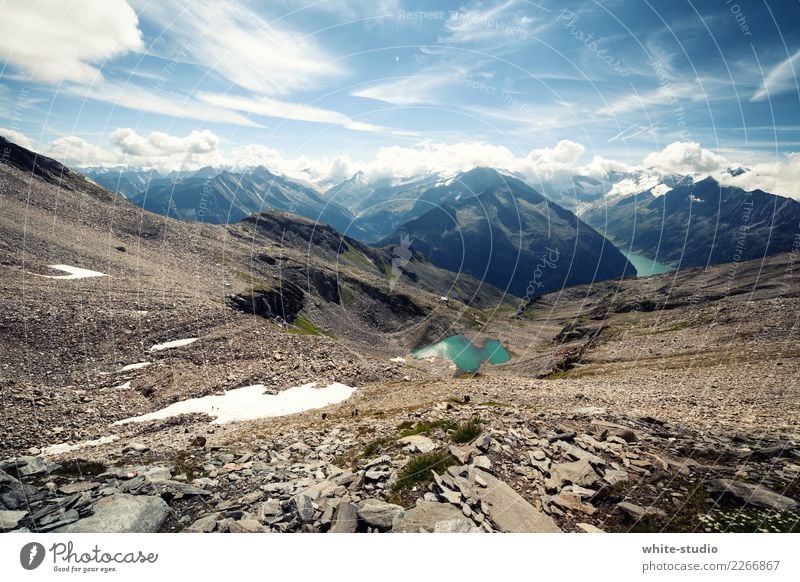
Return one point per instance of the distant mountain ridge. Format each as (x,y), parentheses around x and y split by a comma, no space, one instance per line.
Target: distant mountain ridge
(498,229)
(700,223)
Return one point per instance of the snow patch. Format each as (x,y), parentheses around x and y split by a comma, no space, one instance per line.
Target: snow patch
(136,366)
(173,344)
(251,402)
(68,448)
(74,273)
(398,360)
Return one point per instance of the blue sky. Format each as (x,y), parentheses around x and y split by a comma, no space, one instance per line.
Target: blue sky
(333,84)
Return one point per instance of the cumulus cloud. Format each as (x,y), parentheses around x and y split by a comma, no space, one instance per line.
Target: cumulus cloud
(75,151)
(161,144)
(17,137)
(685,158)
(157,150)
(556,166)
(54,41)
(781,176)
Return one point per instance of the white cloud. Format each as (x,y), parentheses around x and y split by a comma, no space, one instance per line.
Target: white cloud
(17,137)
(667,94)
(476,23)
(285,110)
(780,79)
(232,40)
(685,158)
(414,90)
(163,102)
(781,176)
(75,151)
(556,166)
(55,41)
(161,144)
(157,150)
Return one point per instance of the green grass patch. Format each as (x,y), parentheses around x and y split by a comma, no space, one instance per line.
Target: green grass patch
(355,256)
(376,446)
(468,431)
(304,326)
(419,469)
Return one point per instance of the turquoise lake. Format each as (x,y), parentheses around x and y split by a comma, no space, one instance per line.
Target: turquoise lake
(464,354)
(646,267)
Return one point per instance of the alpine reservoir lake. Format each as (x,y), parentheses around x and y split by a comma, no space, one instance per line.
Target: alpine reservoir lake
(646,267)
(464,354)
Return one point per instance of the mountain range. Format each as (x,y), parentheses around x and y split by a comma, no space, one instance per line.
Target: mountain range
(699,223)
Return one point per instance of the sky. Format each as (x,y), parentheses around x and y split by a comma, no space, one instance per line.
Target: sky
(321,89)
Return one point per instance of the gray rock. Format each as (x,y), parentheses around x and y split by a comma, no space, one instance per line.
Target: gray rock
(483,442)
(752,494)
(482,462)
(418,444)
(345,518)
(508,510)
(455,526)
(136,448)
(246,526)
(27,466)
(637,512)
(269,510)
(123,513)
(304,507)
(615,476)
(579,472)
(78,487)
(377,513)
(606,429)
(10,519)
(589,528)
(205,524)
(424,516)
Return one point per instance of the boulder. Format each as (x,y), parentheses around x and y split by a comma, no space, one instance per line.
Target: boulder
(604,430)
(377,513)
(752,494)
(424,516)
(638,513)
(122,513)
(508,510)
(461,525)
(418,444)
(579,472)
(345,518)
(10,519)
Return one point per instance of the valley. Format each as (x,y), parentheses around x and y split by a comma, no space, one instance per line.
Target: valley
(663,403)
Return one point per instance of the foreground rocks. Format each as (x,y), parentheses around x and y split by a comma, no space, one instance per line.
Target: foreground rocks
(585,471)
